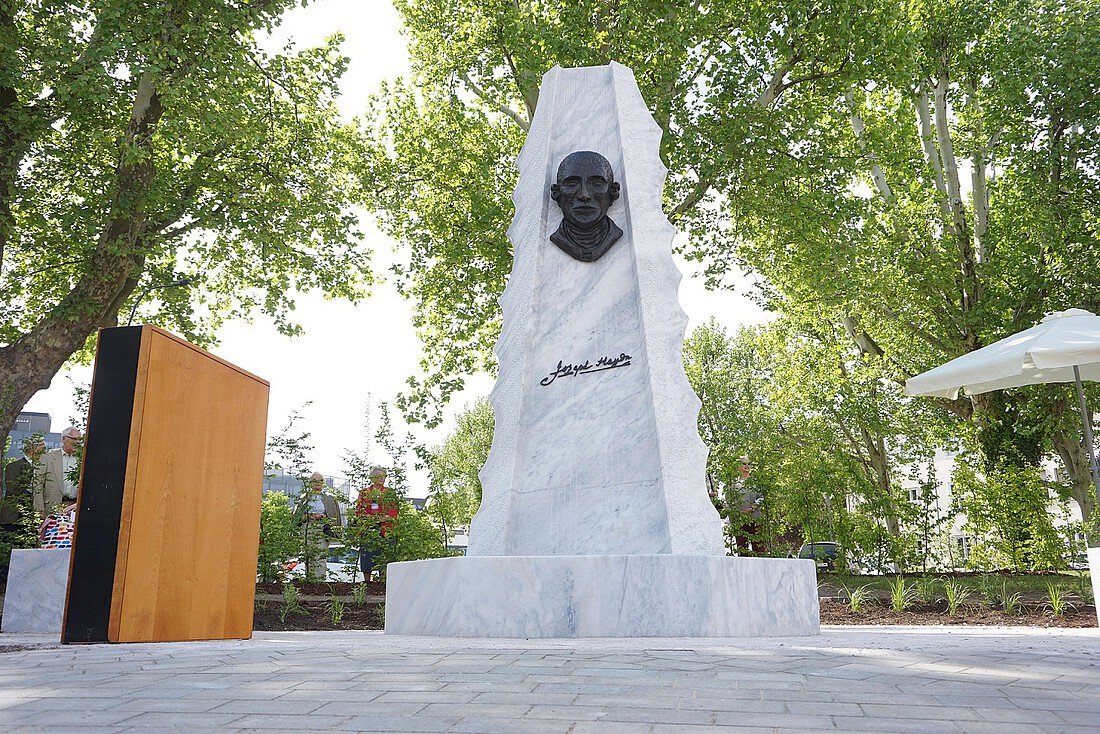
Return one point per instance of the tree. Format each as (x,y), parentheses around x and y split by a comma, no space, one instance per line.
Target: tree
(918,264)
(455,491)
(409,536)
(140,141)
(1008,509)
(824,145)
(825,433)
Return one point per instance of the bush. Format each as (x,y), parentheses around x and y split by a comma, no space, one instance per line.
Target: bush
(280,539)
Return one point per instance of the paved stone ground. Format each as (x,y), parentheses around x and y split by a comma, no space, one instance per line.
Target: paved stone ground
(851,679)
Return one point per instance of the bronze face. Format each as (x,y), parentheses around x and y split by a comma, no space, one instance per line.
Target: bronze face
(585,190)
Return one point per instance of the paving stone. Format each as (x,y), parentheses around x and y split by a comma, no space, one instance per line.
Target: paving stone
(611,727)
(526,698)
(63,718)
(892,725)
(489,710)
(274,721)
(271,706)
(174,721)
(658,716)
(358,708)
(386,723)
(517,726)
(392,697)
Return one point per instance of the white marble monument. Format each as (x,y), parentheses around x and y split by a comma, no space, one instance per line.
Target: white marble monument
(34,600)
(595,519)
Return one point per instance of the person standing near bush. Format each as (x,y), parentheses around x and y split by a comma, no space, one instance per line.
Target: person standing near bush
(374,501)
(320,513)
(748,525)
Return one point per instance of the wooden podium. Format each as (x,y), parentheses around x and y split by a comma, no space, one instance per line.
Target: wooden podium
(168,515)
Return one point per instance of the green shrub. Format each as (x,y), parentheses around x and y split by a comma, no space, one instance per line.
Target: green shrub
(280,538)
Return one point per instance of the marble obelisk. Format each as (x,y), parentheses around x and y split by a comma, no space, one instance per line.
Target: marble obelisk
(594,520)
(606,459)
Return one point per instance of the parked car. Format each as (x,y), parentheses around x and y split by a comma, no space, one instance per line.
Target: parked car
(824,554)
(1079,562)
(339,564)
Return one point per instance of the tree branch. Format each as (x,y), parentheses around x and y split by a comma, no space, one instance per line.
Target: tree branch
(931,155)
(524,124)
(861,338)
(947,155)
(702,186)
(877,175)
(912,328)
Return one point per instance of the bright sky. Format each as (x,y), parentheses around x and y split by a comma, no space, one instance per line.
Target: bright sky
(353,357)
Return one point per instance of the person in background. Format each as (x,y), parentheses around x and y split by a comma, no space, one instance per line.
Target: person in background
(320,514)
(53,484)
(16,523)
(376,499)
(749,525)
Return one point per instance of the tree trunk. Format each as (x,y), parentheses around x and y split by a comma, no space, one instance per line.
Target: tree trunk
(29,364)
(880,465)
(1075,458)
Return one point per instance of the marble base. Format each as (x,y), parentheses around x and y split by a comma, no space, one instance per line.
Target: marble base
(1094,571)
(35,597)
(602,596)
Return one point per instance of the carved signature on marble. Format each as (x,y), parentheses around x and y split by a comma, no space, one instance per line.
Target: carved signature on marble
(586,367)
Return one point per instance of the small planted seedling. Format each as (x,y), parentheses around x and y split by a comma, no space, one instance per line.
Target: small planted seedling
(1056,600)
(902,595)
(857,597)
(956,594)
(336,608)
(359,594)
(1010,603)
(292,602)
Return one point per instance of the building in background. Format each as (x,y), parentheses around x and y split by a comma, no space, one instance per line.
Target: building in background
(27,425)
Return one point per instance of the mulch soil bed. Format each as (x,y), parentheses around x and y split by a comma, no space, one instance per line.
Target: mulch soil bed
(872,612)
(315,607)
(316,611)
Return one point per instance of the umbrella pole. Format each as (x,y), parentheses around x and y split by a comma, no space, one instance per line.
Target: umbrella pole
(1088,434)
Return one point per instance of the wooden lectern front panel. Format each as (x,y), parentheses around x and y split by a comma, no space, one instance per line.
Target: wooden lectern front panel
(189,530)
(168,514)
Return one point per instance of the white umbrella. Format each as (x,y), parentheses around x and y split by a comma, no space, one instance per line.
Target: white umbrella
(1063,347)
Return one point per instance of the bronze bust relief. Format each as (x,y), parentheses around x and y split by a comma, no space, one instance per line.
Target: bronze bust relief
(585,190)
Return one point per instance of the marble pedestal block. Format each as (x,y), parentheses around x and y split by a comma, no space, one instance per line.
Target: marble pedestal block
(35,597)
(603,596)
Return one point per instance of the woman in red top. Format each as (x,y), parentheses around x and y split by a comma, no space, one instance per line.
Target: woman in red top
(376,499)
